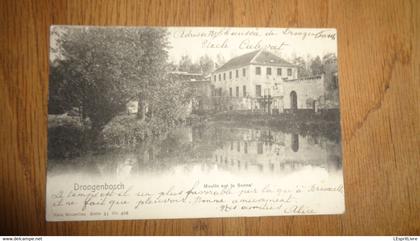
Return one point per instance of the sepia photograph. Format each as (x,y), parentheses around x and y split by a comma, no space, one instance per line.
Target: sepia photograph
(193,122)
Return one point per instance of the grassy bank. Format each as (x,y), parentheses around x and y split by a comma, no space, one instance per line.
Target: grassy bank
(305,123)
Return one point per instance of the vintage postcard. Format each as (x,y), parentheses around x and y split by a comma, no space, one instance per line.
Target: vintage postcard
(192,122)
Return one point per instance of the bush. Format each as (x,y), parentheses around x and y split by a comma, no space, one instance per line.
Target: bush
(65,141)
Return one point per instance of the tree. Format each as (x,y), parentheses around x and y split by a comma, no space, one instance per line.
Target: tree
(185,63)
(220,60)
(329,67)
(301,64)
(207,64)
(316,66)
(170,105)
(106,68)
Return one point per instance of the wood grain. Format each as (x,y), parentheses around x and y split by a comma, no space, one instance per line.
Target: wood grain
(379,86)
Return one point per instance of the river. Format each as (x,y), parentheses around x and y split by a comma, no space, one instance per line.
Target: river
(214,154)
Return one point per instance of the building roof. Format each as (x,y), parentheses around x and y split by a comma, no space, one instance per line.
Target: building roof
(256,57)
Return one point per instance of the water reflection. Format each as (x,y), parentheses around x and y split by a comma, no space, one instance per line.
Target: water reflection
(266,150)
(212,147)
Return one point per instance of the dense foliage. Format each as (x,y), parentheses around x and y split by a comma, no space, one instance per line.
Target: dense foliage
(97,71)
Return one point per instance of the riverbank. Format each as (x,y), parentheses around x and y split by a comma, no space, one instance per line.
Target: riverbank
(68,137)
(325,123)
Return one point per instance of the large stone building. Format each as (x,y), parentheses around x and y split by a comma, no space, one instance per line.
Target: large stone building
(253,81)
(262,81)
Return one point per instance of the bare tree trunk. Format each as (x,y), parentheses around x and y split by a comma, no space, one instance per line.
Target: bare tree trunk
(141,108)
(150,112)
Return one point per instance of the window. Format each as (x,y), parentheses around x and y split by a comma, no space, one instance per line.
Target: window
(258,90)
(244,90)
(237,73)
(279,71)
(334,81)
(237,91)
(220,91)
(230,92)
(258,70)
(243,72)
(220,77)
(214,77)
(289,72)
(224,76)
(230,74)
(260,148)
(268,71)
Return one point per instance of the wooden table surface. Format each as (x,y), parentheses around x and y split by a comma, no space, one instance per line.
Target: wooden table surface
(378,49)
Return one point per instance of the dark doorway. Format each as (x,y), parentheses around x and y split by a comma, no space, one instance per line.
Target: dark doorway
(293,100)
(258,90)
(295,142)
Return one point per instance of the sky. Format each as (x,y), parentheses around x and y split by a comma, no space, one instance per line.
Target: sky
(231,42)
